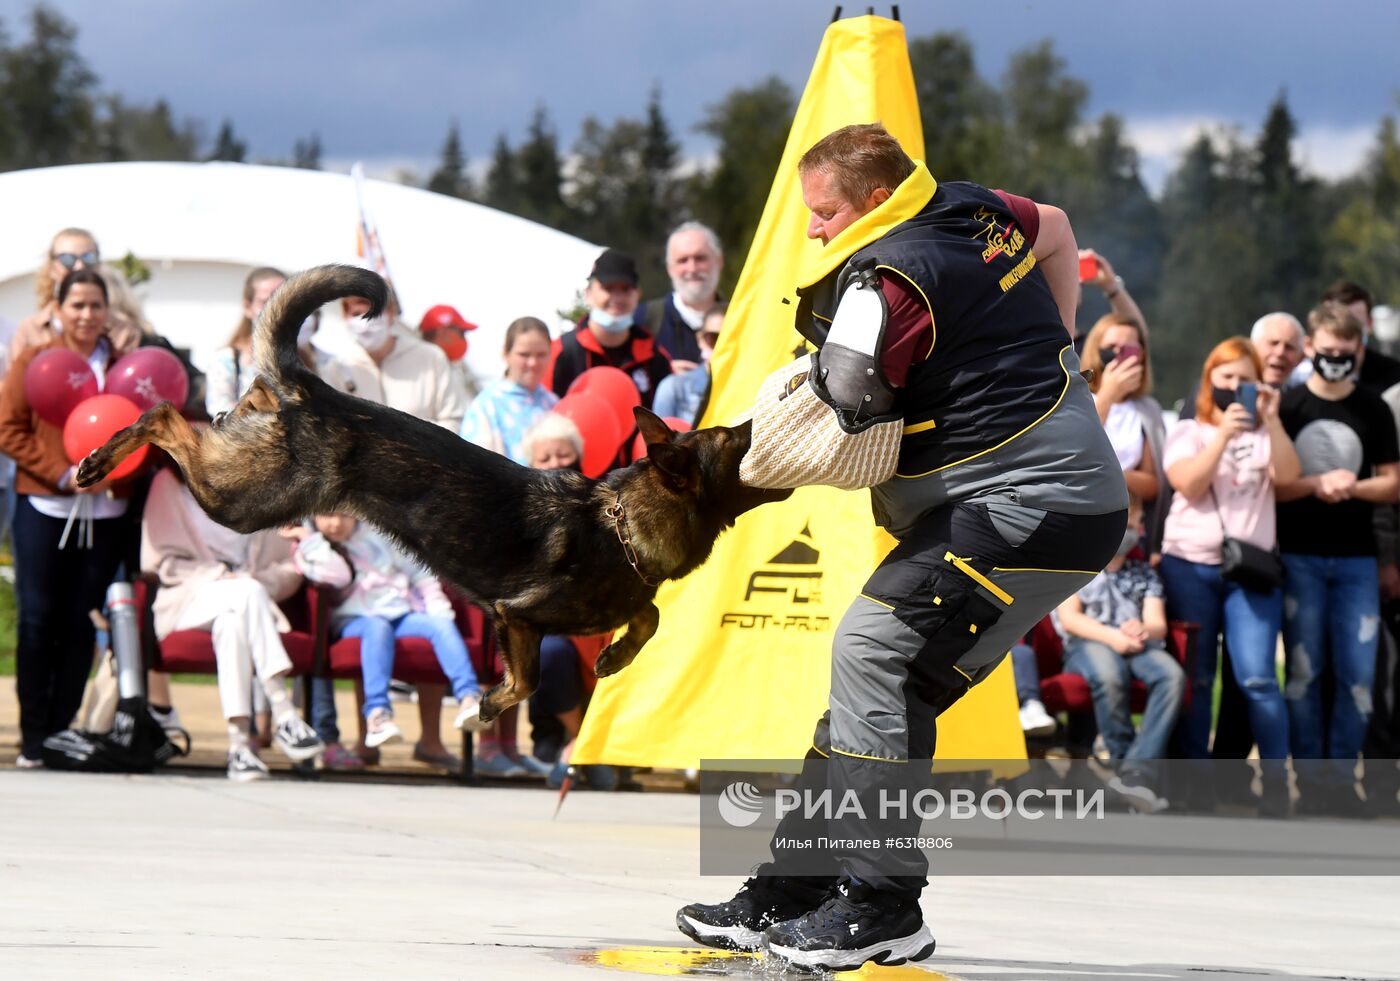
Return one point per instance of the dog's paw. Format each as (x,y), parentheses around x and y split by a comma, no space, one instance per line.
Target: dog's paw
(91,470)
(470,720)
(613,659)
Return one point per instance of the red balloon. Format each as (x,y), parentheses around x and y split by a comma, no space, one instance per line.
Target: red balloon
(615,387)
(97,420)
(56,381)
(149,376)
(639,445)
(598,426)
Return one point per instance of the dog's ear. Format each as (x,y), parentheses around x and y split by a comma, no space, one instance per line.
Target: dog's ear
(675,463)
(653,427)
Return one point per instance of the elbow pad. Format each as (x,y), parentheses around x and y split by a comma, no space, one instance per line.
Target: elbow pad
(847,376)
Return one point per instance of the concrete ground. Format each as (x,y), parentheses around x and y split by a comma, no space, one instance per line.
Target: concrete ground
(180,875)
(401,873)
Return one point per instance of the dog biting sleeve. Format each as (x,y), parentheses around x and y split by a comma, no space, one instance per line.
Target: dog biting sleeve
(799,438)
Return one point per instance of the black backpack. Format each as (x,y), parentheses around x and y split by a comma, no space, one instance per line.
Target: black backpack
(136,744)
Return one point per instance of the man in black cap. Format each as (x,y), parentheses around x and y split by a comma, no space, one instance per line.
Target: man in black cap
(608,334)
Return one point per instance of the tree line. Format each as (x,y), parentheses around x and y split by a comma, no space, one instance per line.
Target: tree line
(1239,229)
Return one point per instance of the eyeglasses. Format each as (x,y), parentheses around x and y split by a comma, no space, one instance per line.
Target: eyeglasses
(70,260)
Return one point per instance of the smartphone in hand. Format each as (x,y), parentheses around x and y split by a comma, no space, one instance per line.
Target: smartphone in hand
(1247,395)
(1129,351)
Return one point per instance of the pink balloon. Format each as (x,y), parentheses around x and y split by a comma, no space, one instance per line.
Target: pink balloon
(149,376)
(56,381)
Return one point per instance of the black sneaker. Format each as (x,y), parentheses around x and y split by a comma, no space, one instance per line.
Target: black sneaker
(739,924)
(854,926)
(297,739)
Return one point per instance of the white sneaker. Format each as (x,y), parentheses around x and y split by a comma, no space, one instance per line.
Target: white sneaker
(244,766)
(469,715)
(1137,795)
(297,740)
(1035,721)
(1100,750)
(23,762)
(381,728)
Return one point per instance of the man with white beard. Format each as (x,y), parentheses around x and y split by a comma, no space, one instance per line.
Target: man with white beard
(694,261)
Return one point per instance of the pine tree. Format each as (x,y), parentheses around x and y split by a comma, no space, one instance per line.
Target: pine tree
(502,180)
(540,174)
(47,97)
(227,146)
(306,154)
(450,177)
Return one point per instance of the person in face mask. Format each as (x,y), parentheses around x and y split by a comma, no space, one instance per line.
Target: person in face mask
(1346,441)
(608,333)
(1115,632)
(694,261)
(391,365)
(1224,465)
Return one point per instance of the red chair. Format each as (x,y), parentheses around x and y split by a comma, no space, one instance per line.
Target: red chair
(1061,691)
(192,651)
(414,660)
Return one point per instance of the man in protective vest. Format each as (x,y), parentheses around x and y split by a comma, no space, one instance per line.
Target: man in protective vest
(945,380)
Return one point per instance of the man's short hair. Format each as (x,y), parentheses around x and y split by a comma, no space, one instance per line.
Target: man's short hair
(1344,291)
(859,159)
(711,239)
(1256,333)
(1333,317)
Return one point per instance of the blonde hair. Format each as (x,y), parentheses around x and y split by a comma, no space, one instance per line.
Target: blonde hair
(551,426)
(45,286)
(1092,358)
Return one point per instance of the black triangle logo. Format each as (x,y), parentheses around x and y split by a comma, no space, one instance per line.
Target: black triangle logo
(800,552)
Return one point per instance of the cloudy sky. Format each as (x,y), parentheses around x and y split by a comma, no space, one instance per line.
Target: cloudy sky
(381,81)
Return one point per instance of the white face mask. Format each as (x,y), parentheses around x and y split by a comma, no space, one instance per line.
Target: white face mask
(369,334)
(612,323)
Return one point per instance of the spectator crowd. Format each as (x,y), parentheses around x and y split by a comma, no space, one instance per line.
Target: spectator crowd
(1263,510)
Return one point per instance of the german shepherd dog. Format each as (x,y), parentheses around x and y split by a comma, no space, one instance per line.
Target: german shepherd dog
(542,552)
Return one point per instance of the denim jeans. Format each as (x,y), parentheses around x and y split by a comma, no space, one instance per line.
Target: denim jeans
(1026,672)
(1331,610)
(377,636)
(1250,623)
(1110,676)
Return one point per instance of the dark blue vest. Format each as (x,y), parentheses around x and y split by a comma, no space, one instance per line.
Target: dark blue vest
(995,367)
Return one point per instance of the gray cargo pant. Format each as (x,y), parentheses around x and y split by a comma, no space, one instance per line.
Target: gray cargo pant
(935,618)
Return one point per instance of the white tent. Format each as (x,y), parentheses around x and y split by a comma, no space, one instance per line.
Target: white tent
(202,227)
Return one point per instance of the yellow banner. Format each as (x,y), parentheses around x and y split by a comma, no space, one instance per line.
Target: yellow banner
(741,665)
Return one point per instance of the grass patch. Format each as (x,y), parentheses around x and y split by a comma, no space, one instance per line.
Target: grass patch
(8,618)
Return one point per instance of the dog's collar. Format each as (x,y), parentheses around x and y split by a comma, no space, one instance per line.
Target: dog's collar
(619,515)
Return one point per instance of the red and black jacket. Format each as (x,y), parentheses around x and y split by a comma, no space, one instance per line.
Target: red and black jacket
(578,350)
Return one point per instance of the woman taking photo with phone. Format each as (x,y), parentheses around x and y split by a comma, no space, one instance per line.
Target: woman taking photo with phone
(1116,352)
(1224,466)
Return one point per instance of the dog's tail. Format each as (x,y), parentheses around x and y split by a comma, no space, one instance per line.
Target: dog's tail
(275,336)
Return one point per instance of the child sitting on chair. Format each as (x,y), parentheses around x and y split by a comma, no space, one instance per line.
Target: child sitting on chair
(388,596)
(1115,632)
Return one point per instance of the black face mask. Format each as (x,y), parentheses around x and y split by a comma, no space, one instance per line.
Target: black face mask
(1224,397)
(1334,367)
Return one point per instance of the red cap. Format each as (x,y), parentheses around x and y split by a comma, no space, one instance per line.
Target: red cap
(444,316)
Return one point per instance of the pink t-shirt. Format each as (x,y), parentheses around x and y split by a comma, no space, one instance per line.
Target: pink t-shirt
(1242,487)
